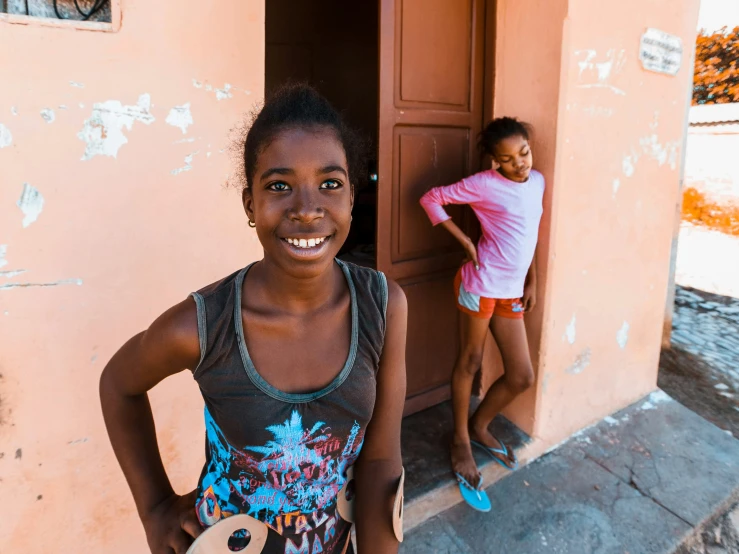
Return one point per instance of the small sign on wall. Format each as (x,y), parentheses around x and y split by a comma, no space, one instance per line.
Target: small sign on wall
(661,52)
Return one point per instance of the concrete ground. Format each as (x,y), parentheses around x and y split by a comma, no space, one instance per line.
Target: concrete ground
(642,481)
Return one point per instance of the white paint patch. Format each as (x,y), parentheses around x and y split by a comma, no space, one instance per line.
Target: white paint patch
(6,138)
(721,386)
(663,153)
(12,273)
(627,166)
(187,166)
(598,111)
(223,93)
(13,110)
(610,420)
(581,362)
(9,286)
(63,107)
(727,395)
(657,397)
(76,84)
(48,115)
(207,155)
(596,71)
(103,131)
(3,253)
(545,382)
(183,141)
(81,105)
(180,116)
(571,331)
(31,204)
(651,147)
(616,186)
(622,337)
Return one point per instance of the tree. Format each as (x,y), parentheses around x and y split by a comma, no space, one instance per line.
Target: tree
(716,77)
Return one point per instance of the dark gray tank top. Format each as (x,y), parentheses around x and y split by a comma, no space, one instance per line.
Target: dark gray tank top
(279,457)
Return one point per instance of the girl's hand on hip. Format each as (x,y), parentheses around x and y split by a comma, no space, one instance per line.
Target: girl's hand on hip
(471,251)
(172,525)
(529,297)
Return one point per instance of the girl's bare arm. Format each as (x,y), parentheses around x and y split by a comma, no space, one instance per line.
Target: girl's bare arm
(380,463)
(169,346)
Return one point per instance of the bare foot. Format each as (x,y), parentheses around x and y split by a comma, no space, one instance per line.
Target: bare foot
(485,437)
(463,462)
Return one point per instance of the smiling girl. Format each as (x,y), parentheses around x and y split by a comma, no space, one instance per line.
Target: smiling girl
(493,289)
(300,359)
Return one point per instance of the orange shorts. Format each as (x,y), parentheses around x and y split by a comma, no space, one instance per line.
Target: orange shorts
(482,307)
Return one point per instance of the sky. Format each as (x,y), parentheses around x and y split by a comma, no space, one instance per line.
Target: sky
(715,14)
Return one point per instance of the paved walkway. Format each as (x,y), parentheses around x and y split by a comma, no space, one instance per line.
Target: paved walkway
(639,482)
(701,370)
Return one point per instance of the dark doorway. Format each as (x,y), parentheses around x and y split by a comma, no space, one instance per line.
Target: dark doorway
(333,45)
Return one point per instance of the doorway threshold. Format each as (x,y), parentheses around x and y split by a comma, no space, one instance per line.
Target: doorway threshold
(430,486)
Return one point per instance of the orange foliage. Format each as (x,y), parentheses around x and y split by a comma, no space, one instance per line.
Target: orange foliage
(698,210)
(716,76)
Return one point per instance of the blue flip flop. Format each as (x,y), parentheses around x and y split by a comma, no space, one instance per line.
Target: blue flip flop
(503,452)
(476,497)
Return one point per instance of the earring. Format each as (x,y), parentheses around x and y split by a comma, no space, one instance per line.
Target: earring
(252,224)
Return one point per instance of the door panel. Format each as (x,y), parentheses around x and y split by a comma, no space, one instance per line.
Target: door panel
(431,85)
(435,52)
(426,157)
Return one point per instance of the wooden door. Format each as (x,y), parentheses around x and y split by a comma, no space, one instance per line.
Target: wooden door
(430,103)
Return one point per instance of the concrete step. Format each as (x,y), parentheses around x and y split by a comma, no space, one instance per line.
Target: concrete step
(642,481)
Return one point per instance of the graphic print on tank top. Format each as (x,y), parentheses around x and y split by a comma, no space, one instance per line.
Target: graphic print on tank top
(291,483)
(278,457)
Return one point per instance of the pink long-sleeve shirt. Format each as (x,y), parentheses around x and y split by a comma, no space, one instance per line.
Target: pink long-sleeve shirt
(509,214)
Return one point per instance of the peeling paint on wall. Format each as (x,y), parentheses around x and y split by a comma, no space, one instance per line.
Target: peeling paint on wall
(180,116)
(13,110)
(31,204)
(595,72)
(75,84)
(622,337)
(663,153)
(651,147)
(103,131)
(627,166)
(581,362)
(12,273)
(9,286)
(616,186)
(6,138)
(187,166)
(48,115)
(3,253)
(223,93)
(571,330)
(545,382)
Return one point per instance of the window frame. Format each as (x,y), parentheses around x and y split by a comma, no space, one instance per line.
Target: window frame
(101,26)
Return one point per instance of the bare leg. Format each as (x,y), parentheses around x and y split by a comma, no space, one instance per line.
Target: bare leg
(473,332)
(510,335)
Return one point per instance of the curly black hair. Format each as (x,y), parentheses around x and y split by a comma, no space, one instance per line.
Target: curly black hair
(499,129)
(297,105)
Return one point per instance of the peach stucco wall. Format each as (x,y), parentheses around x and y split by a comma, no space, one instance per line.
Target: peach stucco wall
(116,241)
(609,138)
